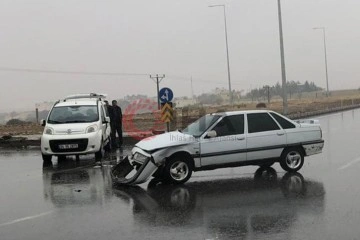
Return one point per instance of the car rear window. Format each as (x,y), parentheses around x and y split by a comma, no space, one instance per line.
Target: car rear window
(261,122)
(285,124)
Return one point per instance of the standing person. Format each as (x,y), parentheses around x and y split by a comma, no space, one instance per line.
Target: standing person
(116,124)
(108,109)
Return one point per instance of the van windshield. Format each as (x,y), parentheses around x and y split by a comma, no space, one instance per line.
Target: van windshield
(73,114)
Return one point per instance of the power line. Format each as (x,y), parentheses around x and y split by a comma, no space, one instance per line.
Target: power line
(51,71)
(30,70)
(199,80)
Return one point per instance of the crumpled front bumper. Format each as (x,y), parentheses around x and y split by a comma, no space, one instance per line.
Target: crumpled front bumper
(127,174)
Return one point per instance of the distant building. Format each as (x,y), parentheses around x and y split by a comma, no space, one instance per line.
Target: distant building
(183,102)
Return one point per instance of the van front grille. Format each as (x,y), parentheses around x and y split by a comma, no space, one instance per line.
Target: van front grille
(57,146)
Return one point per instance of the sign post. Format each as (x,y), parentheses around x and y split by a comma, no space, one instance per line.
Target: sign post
(166,95)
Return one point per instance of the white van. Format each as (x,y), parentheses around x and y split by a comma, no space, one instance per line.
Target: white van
(76,125)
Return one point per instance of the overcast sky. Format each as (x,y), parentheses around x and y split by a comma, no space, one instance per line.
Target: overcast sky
(177,38)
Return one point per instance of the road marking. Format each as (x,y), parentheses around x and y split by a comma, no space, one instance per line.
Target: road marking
(25,219)
(356,160)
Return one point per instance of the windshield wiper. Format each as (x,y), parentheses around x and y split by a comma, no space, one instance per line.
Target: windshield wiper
(53,121)
(74,121)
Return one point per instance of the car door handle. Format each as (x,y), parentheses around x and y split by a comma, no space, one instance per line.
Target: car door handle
(280,133)
(240,138)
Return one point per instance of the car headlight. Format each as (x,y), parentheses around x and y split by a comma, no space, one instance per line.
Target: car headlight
(49,131)
(91,129)
(139,157)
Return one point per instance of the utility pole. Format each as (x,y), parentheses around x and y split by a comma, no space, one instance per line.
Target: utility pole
(192,88)
(326,61)
(227,54)
(282,54)
(37,113)
(157,79)
(268,93)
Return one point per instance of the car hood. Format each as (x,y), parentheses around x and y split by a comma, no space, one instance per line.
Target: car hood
(165,140)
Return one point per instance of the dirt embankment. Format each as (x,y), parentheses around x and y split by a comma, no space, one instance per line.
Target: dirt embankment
(21,129)
(182,117)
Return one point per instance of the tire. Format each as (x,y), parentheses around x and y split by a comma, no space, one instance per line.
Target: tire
(46,158)
(292,159)
(107,147)
(178,170)
(267,164)
(99,154)
(62,157)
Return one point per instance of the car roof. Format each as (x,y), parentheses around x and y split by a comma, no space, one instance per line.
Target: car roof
(240,112)
(77,102)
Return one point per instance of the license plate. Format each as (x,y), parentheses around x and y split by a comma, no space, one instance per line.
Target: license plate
(68,146)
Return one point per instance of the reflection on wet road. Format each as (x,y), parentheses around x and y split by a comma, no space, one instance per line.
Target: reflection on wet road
(72,199)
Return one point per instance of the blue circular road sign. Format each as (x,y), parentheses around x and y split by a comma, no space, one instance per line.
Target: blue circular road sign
(166,95)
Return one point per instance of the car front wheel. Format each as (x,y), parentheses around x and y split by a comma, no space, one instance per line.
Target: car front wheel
(292,159)
(178,170)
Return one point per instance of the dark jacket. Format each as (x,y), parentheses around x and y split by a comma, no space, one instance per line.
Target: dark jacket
(115,116)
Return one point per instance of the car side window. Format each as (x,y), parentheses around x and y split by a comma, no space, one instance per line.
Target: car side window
(261,122)
(285,124)
(230,125)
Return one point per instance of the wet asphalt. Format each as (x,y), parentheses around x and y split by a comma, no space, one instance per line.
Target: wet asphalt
(76,199)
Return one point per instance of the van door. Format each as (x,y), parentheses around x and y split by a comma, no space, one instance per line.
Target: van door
(105,125)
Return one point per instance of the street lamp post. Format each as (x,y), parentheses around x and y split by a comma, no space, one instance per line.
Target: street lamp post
(282,54)
(227,53)
(326,65)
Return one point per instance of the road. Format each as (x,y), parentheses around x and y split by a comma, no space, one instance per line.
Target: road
(76,200)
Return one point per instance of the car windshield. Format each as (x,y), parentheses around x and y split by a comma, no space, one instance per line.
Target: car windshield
(73,114)
(198,127)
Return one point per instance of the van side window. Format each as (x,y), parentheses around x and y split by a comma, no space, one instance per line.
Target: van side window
(261,122)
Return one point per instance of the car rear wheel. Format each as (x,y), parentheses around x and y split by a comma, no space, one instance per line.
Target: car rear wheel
(292,159)
(178,170)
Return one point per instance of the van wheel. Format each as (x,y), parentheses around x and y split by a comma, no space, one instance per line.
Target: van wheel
(178,170)
(292,159)
(99,154)
(107,147)
(46,158)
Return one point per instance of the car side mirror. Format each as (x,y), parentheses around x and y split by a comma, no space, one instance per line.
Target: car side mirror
(43,122)
(107,120)
(211,134)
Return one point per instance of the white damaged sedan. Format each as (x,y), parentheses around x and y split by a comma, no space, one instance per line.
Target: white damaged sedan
(220,140)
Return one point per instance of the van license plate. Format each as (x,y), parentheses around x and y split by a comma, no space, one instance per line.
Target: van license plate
(68,146)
